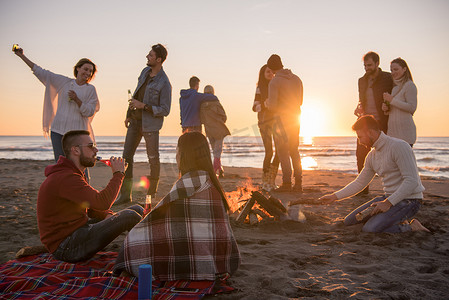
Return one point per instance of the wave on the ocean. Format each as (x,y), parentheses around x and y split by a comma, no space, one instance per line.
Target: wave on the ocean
(324,153)
(426,159)
(435,169)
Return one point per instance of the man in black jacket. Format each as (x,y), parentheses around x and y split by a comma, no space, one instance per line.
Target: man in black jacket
(372,85)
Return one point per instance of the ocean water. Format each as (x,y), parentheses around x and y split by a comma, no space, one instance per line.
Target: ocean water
(318,153)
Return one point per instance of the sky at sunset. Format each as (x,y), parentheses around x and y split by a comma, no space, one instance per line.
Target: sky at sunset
(225,43)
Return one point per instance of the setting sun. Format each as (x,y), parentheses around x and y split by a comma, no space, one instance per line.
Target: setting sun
(313,118)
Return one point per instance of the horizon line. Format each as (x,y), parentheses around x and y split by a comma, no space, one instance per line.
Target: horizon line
(326,136)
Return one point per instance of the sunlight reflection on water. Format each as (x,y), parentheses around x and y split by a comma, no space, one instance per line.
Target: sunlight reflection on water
(308,163)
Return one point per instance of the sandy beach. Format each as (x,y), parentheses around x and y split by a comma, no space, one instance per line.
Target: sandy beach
(318,259)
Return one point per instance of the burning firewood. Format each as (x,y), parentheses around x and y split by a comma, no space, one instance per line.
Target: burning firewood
(261,213)
(246,210)
(271,205)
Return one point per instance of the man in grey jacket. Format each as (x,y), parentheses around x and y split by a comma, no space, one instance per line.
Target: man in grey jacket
(149,105)
(285,96)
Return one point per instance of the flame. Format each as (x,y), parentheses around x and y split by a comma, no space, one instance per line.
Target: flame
(238,197)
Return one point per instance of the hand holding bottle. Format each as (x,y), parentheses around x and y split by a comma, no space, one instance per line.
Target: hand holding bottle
(130,99)
(72,95)
(359,110)
(17,50)
(118,164)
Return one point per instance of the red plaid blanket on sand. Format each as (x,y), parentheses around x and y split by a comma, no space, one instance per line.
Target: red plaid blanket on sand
(43,277)
(186,236)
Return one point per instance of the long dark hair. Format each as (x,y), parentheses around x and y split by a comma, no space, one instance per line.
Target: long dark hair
(194,155)
(403,64)
(262,84)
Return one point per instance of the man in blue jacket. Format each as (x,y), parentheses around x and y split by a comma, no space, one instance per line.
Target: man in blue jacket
(149,105)
(190,104)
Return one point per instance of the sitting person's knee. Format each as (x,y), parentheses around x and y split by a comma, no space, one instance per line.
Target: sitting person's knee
(349,220)
(372,227)
(130,217)
(137,208)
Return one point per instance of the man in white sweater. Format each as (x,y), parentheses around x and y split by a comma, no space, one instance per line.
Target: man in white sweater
(393,160)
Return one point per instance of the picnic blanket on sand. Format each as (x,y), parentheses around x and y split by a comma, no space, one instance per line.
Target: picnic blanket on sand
(44,277)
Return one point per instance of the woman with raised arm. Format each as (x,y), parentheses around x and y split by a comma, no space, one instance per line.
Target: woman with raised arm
(69,103)
(401,104)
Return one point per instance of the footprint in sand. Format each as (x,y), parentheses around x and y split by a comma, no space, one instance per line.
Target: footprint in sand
(362,270)
(427,269)
(391,286)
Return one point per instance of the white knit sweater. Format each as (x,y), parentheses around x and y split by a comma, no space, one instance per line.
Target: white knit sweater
(402,108)
(393,160)
(61,114)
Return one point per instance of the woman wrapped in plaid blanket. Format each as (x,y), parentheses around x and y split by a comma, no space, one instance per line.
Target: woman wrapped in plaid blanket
(187,235)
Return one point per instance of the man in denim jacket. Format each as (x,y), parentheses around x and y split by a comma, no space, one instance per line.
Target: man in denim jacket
(149,105)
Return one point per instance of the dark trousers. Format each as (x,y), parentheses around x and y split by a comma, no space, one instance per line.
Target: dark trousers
(286,139)
(87,240)
(361,152)
(266,133)
(389,221)
(133,137)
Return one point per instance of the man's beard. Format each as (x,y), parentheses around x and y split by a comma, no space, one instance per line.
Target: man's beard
(86,161)
(371,142)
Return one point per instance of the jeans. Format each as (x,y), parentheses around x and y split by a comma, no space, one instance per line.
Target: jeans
(286,139)
(266,133)
(389,221)
(56,142)
(132,141)
(87,240)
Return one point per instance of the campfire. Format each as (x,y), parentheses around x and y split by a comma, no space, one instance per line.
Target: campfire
(248,204)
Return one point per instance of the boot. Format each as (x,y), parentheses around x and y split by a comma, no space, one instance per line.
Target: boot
(298,184)
(125,195)
(272,179)
(266,181)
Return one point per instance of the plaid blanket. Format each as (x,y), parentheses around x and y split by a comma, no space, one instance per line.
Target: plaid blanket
(43,277)
(186,236)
